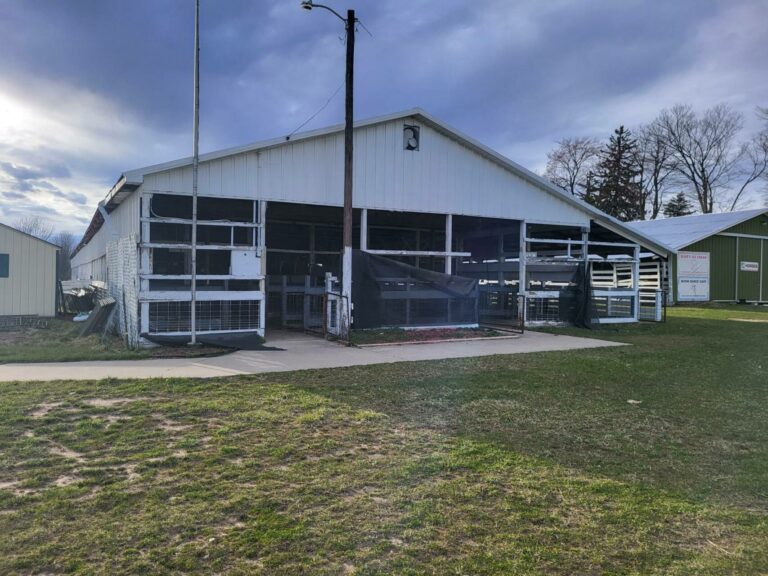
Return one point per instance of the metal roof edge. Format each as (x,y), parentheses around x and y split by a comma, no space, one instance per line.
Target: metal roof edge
(546,185)
(754,213)
(30,235)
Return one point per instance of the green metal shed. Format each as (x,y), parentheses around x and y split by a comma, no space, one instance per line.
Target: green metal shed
(719,257)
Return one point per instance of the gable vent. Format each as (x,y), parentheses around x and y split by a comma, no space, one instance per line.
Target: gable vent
(410,137)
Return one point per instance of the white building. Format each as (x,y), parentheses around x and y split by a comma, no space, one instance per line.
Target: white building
(28,274)
(270,225)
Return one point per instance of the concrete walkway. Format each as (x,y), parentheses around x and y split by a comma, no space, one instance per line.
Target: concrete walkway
(297,352)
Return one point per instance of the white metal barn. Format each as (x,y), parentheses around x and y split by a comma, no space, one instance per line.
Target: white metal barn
(270,231)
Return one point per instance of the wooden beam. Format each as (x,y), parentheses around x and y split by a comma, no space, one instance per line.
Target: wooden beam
(417,253)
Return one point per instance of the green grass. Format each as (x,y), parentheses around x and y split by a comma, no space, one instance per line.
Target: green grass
(60,342)
(523,464)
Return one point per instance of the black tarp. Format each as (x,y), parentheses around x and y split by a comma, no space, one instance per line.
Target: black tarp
(576,300)
(386,292)
(234,340)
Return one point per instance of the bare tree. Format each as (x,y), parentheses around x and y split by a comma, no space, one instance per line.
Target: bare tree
(657,167)
(569,164)
(67,243)
(762,113)
(754,163)
(707,155)
(35,226)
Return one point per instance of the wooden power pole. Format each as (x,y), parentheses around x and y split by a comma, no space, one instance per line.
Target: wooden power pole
(346,286)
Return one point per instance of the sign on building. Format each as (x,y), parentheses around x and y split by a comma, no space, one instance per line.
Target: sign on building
(692,276)
(749,266)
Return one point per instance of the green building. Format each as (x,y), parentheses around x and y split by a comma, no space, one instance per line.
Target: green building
(719,257)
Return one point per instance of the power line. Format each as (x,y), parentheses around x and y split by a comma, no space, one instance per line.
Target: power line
(323,107)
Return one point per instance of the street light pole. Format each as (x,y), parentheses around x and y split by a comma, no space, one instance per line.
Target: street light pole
(346,262)
(346,283)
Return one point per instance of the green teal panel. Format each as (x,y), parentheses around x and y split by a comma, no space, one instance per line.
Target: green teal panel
(757,226)
(4,265)
(764,272)
(749,282)
(722,265)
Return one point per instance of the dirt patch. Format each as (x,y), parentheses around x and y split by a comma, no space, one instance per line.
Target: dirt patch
(110,402)
(752,320)
(110,418)
(64,452)
(11,486)
(168,425)
(65,480)
(42,410)
(130,471)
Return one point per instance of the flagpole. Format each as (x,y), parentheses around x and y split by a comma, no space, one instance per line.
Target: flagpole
(195,160)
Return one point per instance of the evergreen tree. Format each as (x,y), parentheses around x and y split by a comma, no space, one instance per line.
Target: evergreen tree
(678,206)
(614,186)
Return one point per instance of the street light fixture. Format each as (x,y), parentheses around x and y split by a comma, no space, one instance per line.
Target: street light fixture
(346,263)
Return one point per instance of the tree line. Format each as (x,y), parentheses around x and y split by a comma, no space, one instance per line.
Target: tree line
(679,163)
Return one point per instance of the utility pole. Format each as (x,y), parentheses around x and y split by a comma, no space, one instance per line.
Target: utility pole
(195,162)
(346,286)
(346,260)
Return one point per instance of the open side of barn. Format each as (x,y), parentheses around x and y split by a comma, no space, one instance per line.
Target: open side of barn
(270,227)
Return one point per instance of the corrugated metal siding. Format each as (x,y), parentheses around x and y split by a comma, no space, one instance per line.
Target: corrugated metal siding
(90,262)
(31,285)
(722,263)
(750,286)
(754,226)
(764,273)
(749,282)
(441,177)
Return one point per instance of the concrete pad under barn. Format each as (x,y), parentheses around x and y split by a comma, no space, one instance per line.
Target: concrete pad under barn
(293,351)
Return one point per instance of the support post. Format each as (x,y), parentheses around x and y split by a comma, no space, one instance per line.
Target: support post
(262,251)
(636,279)
(736,280)
(448,242)
(364,229)
(522,281)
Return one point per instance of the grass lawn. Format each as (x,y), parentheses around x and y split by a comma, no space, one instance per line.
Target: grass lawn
(60,342)
(523,464)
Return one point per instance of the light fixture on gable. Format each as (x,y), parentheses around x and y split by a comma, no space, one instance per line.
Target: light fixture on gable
(410,137)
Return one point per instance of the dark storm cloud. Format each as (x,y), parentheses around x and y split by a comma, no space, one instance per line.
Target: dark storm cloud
(515,75)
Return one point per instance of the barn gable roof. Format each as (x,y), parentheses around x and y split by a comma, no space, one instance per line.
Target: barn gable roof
(132,179)
(683,231)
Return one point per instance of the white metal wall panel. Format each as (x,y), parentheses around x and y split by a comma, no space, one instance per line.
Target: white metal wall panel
(443,176)
(90,262)
(31,284)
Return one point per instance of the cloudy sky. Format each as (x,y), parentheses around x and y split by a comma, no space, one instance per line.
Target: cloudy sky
(90,88)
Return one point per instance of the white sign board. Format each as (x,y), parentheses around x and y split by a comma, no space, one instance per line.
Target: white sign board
(749,266)
(693,276)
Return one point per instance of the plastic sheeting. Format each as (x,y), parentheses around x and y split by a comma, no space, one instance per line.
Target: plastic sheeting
(576,300)
(386,292)
(238,341)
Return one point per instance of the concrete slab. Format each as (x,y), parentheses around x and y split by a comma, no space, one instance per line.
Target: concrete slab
(294,352)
